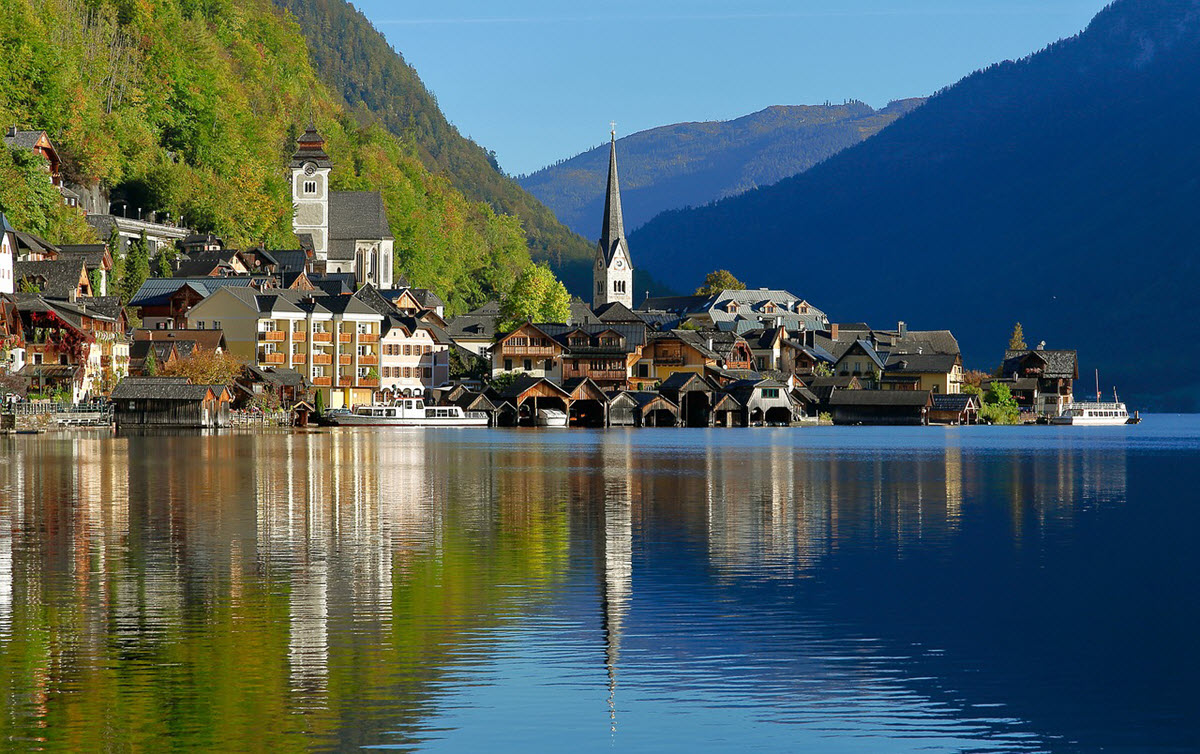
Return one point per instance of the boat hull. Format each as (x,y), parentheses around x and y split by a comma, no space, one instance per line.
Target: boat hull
(378,421)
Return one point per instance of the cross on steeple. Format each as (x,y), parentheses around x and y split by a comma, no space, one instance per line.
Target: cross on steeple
(613,125)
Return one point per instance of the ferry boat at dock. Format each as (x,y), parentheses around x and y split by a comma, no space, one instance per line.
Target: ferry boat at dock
(1096,413)
(409,412)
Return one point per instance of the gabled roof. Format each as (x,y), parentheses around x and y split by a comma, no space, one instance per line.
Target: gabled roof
(869,350)
(357,215)
(281,376)
(921,363)
(616,312)
(1058,364)
(161,388)
(681,380)
(94,255)
(290,261)
(643,399)
(60,277)
(954,401)
(523,383)
(912,398)
(473,327)
(24,139)
(633,335)
(158,291)
(210,340)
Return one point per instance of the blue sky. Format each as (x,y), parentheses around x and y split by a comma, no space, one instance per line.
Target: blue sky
(538,80)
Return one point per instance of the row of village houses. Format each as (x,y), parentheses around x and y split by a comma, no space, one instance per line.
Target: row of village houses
(327,317)
(736,357)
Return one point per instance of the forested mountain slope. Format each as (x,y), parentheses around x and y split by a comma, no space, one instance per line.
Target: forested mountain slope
(1060,190)
(375,81)
(692,164)
(191,107)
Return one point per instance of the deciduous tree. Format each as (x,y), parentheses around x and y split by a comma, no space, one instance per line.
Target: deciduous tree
(719,280)
(536,296)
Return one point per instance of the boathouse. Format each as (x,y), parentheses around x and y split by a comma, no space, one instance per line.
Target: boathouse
(169,402)
(693,394)
(955,408)
(528,394)
(880,406)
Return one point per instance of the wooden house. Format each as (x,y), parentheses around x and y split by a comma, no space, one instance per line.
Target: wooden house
(527,394)
(530,350)
(764,402)
(640,408)
(694,395)
(169,402)
(1055,372)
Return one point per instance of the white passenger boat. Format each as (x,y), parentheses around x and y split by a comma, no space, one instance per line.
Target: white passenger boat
(551,417)
(1092,414)
(410,412)
(1095,413)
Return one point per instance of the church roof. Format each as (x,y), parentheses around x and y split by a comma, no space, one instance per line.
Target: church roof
(612,232)
(357,215)
(310,147)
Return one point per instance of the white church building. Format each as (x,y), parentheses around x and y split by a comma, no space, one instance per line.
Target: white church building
(348,230)
(613,269)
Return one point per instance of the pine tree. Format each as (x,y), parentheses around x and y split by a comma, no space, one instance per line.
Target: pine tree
(1016,341)
(150,368)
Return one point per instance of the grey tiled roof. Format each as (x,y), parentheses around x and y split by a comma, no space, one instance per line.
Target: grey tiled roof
(357,215)
(58,277)
(159,388)
(954,401)
(473,327)
(914,398)
(1059,364)
(912,363)
(22,139)
(157,291)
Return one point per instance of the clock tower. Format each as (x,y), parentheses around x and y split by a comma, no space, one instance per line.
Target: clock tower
(612,271)
(310,168)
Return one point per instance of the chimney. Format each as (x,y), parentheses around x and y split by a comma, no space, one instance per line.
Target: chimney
(833,331)
(710,344)
(902,328)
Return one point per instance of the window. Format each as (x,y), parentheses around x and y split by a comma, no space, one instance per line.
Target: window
(618,286)
(216,324)
(518,342)
(310,187)
(37,358)
(428,349)
(407,372)
(508,365)
(643,370)
(364,350)
(428,373)
(770,392)
(364,328)
(200,325)
(407,349)
(548,365)
(528,365)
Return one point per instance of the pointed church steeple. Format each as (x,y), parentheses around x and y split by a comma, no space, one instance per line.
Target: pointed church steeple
(613,272)
(612,232)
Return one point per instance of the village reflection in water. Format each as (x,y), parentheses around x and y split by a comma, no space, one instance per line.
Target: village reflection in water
(326,590)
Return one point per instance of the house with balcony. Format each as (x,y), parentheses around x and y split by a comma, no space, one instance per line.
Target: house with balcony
(64,278)
(530,350)
(603,353)
(1054,371)
(672,352)
(332,340)
(71,347)
(164,303)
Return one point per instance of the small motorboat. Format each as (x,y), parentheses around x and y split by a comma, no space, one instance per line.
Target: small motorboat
(551,417)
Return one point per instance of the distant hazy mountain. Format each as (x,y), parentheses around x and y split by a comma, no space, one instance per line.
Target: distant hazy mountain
(1062,190)
(692,164)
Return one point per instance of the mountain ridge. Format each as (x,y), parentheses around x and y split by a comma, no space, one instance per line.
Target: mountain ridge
(1058,190)
(694,163)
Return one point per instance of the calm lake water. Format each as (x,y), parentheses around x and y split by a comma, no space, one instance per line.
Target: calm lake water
(822,590)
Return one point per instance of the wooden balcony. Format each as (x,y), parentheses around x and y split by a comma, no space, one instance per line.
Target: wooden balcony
(322,381)
(272,358)
(599,375)
(322,337)
(345,382)
(299,336)
(345,337)
(519,352)
(368,337)
(345,358)
(272,336)
(368,361)
(364,382)
(322,358)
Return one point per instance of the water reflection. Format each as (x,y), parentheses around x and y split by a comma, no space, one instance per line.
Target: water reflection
(335,590)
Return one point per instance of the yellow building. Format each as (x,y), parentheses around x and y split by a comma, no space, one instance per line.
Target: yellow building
(935,372)
(333,341)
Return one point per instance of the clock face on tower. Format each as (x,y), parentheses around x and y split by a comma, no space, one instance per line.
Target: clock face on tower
(309,168)
(619,264)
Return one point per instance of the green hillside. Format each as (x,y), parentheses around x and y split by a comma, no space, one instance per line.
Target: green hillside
(375,82)
(191,107)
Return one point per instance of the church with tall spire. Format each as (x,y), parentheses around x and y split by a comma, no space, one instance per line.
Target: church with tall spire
(612,272)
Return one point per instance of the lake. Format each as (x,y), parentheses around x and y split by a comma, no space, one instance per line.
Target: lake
(820,589)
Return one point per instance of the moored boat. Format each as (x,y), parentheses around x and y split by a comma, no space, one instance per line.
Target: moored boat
(410,412)
(551,417)
(1095,413)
